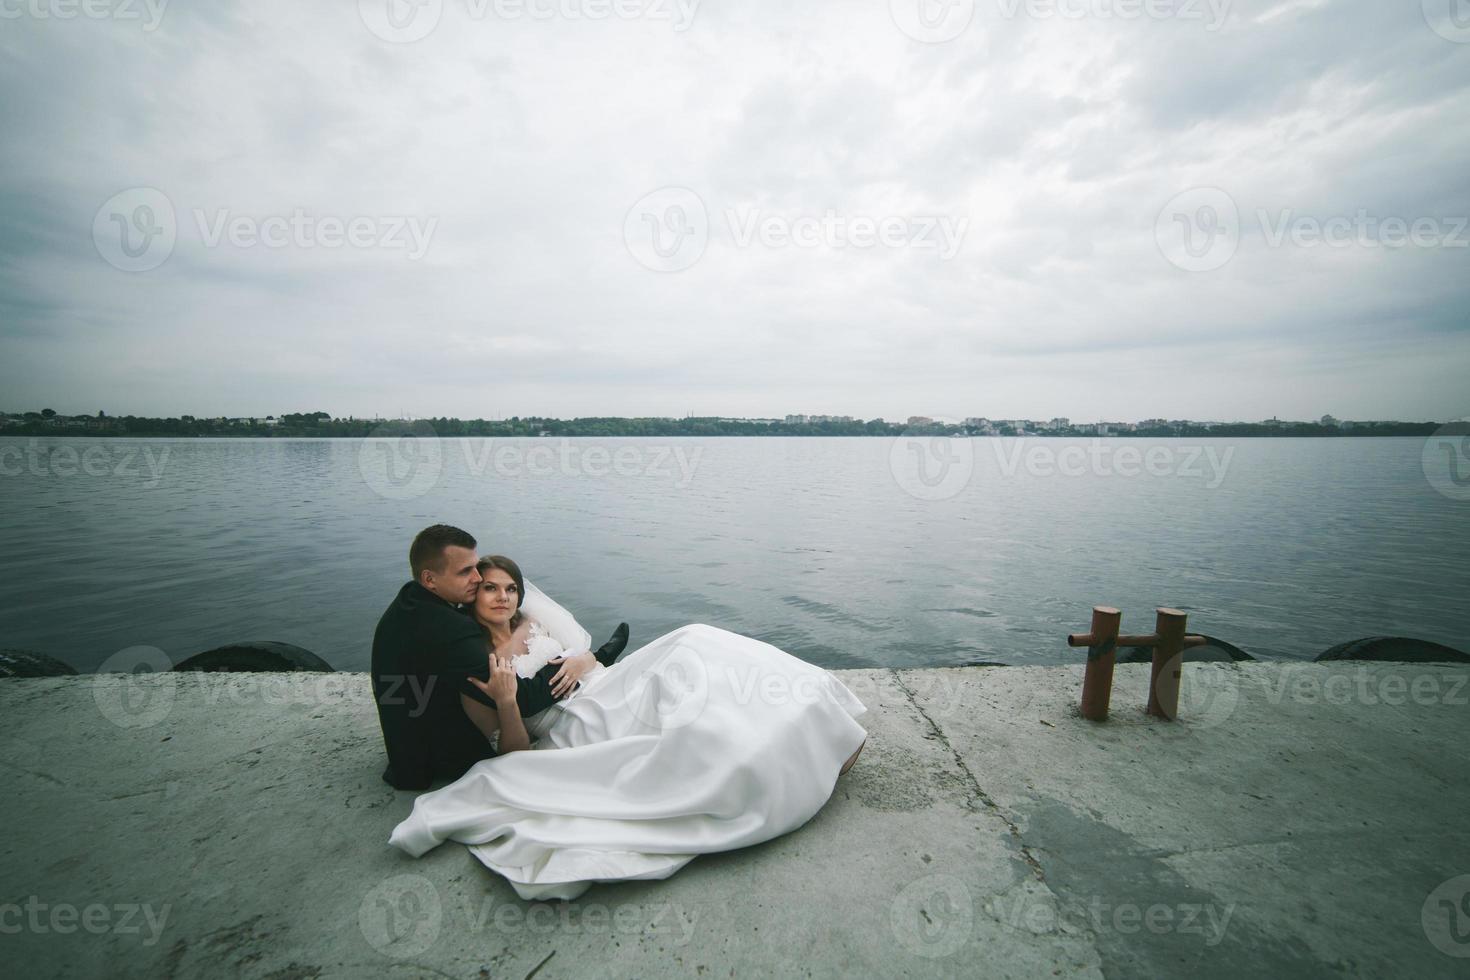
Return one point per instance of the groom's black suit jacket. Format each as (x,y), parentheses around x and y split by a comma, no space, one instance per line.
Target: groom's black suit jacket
(423,651)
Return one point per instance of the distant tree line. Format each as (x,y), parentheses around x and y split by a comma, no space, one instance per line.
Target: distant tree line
(321,424)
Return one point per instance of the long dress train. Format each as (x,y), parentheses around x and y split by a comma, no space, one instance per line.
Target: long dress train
(701,741)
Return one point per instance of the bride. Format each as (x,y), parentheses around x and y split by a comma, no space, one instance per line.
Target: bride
(701,741)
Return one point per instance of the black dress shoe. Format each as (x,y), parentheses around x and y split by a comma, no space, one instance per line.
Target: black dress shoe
(607,654)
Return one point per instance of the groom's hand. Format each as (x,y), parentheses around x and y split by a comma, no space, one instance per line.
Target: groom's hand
(572,669)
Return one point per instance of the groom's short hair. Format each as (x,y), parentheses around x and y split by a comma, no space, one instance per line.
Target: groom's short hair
(427,550)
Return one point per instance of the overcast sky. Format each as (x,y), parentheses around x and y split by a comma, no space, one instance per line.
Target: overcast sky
(658,207)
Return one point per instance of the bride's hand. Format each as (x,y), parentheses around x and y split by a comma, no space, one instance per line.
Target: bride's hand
(572,670)
(502,685)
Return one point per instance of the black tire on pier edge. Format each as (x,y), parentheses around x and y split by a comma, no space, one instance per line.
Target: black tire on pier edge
(257,655)
(1216,651)
(1398,649)
(29,663)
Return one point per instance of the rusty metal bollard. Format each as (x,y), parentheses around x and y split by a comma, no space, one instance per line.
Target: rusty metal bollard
(1168,641)
(1163,684)
(1102,651)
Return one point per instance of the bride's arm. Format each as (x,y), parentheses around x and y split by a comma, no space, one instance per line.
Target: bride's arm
(572,667)
(513,734)
(505,716)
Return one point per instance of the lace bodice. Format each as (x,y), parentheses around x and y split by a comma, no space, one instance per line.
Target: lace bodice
(541,649)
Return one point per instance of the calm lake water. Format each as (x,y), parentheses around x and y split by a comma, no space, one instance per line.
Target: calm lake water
(846,552)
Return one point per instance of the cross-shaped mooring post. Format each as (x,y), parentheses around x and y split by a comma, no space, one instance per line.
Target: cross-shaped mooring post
(1168,641)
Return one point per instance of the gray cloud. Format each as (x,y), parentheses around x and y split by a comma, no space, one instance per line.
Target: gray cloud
(526,142)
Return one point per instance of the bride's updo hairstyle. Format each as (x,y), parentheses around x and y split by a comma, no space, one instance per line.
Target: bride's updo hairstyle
(514,571)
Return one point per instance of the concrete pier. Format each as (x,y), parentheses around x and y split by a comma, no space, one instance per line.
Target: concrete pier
(1298,820)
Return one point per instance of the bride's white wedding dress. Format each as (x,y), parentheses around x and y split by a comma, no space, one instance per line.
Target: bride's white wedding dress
(701,741)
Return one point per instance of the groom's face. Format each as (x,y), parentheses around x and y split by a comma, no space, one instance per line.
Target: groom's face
(456,579)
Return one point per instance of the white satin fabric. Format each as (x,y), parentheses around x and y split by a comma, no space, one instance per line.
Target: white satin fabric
(701,741)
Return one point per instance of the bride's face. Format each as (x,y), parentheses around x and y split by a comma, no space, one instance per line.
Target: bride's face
(497,599)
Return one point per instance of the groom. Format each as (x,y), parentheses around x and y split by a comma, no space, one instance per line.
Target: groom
(424,652)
